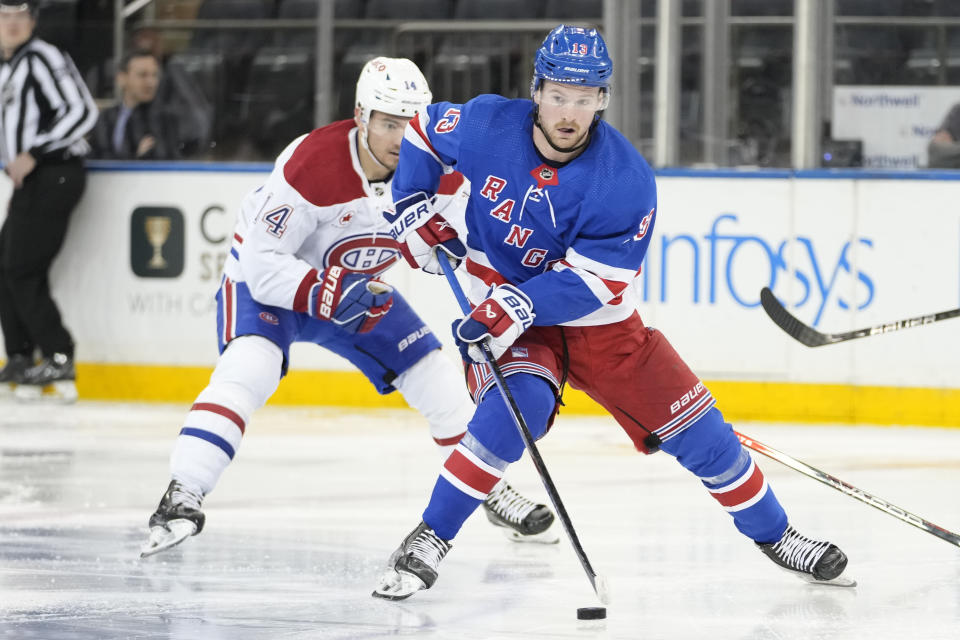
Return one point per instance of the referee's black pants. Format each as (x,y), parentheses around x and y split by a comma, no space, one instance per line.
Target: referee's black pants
(30,239)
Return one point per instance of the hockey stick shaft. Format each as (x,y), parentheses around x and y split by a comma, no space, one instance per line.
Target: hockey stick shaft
(813,338)
(598,584)
(850,490)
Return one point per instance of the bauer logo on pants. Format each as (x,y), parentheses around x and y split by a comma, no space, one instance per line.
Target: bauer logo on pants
(156,242)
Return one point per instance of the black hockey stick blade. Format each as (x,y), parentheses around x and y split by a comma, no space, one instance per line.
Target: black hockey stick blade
(813,338)
(786,321)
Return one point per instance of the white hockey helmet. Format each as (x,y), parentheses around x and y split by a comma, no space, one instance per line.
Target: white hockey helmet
(392,85)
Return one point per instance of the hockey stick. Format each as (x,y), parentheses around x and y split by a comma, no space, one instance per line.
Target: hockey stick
(813,338)
(598,582)
(850,490)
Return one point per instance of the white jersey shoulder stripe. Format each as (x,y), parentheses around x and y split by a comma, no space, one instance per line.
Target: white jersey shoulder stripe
(414,134)
(605,271)
(596,285)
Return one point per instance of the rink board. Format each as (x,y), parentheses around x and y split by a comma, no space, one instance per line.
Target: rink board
(845,250)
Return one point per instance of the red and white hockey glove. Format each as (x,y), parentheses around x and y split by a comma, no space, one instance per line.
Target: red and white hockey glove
(502,317)
(353,301)
(424,235)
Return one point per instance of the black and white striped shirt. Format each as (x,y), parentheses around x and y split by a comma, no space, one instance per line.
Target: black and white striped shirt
(45,107)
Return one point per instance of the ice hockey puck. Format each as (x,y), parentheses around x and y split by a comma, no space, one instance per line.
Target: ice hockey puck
(591,613)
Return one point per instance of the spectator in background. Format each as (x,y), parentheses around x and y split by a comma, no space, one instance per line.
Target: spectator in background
(943,152)
(45,113)
(139,127)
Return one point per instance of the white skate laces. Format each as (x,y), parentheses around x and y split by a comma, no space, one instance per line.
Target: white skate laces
(799,552)
(429,549)
(413,566)
(815,561)
(523,520)
(180,495)
(508,504)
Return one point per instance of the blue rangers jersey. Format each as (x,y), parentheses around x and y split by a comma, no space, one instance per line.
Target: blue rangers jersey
(571,236)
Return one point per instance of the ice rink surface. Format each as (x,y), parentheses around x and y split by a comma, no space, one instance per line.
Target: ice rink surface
(317,499)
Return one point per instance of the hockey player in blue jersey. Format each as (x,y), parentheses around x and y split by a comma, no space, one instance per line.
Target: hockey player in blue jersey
(558,221)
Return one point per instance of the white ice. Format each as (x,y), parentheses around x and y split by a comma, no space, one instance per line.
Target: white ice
(317,499)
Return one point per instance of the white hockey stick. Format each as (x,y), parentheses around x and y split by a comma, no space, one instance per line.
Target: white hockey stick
(850,490)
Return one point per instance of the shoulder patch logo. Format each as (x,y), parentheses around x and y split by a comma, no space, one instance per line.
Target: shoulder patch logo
(345,219)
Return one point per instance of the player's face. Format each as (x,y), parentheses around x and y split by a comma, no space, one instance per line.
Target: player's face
(566,112)
(16,27)
(384,135)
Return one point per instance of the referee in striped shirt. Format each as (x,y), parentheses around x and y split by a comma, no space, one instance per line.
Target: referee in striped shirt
(45,112)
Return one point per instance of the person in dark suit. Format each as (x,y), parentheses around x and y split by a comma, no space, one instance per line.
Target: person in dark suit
(139,127)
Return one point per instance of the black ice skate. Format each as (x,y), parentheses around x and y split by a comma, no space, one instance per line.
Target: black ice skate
(53,378)
(12,373)
(177,517)
(815,561)
(413,566)
(523,519)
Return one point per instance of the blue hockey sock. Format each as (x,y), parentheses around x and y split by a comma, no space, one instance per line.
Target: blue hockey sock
(491,443)
(710,449)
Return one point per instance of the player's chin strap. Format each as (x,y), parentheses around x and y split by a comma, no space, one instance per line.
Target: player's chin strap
(586,138)
(363,141)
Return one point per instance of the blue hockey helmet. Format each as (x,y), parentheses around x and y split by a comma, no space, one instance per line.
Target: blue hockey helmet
(573,55)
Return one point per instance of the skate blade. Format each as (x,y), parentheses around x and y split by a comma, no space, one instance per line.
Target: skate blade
(60,392)
(548,536)
(397,585)
(839,581)
(162,538)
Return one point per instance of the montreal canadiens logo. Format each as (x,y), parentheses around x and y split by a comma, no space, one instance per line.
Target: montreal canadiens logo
(269,318)
(364,253)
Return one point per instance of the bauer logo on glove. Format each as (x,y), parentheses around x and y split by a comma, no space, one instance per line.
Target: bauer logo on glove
(409,213)
(353,301)
(424,234)
(500,319)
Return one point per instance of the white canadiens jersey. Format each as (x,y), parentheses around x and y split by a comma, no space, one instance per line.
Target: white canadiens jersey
(316,210)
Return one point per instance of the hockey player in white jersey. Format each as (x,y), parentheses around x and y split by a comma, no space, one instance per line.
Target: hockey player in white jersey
(307,250)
